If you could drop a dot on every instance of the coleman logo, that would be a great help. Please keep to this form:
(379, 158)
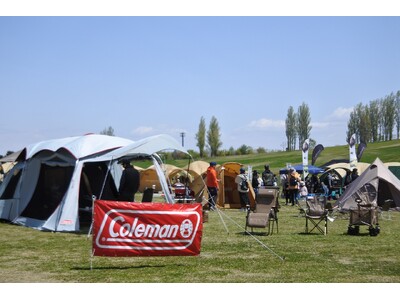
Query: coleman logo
(147, 229)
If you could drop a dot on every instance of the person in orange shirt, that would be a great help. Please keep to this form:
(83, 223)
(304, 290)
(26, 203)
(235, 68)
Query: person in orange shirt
(212, 185)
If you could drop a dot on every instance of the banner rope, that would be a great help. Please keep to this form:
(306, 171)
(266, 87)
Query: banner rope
(282, 258)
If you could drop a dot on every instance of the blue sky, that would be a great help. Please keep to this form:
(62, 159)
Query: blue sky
(66, 76)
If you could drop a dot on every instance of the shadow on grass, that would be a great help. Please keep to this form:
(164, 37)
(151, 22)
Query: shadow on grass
(256, 233)
(121, 267)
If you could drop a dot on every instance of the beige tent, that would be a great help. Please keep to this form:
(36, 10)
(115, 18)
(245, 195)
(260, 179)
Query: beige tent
(342, 167)
(197, 168)
(374, 186)
(228, 196)
(198, 171)
(149, 177)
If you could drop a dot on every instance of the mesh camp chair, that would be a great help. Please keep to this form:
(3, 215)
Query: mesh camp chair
(265, 214)
(317, 215)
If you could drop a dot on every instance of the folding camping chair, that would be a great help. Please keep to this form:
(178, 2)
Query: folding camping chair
(317, 215)
(266, 210)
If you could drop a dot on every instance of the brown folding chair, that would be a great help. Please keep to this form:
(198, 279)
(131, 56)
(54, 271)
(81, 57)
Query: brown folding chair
(265, 214)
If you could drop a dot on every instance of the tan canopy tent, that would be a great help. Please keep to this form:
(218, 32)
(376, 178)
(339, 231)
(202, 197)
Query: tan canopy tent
(149, 177)
(342, 167)
(198, 172)
(375, 185)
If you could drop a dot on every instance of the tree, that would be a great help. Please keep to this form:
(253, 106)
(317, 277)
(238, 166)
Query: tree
(108, 131)
(214, 137)
(244, 149)
(303, 120)
(291, 132)
(312, 143)
(201, 136)
(388, 116)
(365, 125)
(397, 103)
(352, 126)
(374, 120)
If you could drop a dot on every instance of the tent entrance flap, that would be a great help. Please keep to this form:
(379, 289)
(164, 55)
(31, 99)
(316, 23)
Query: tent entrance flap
(52, 185)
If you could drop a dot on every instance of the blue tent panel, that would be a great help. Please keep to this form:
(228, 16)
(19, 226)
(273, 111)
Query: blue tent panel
(299, 169)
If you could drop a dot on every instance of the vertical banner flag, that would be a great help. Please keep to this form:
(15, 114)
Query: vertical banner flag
(305, 158)
(146, 229)
(360, 150)
(353, 155)
(317, 150)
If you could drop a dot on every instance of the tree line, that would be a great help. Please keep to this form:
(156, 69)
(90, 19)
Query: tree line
(376, 121)
(373, 122)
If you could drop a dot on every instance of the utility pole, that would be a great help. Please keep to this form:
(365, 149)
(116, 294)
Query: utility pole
(183, 136)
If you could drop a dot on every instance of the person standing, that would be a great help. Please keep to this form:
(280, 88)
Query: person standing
(347, 179)
(256, 182)
(293, 188)
(243, 189)
(268, 177)
(212, 185)
(129, 183)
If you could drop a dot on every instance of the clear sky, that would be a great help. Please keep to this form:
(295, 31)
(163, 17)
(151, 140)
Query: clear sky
(141, 75)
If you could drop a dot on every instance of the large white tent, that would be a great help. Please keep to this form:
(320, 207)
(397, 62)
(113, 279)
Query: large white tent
(44, 190)
(47, 177)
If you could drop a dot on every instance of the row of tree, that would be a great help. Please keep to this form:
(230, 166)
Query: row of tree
(373, 122)
(376, 121)
(298, 126)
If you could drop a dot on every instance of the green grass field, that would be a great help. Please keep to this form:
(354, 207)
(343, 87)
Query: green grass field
(227, 256)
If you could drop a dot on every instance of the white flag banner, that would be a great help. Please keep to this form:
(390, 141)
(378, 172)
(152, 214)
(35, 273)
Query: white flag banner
(353, 154)
(305, 158)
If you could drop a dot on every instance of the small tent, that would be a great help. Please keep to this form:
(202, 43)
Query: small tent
(375, 185)
(229, 196)
(198, 171)
(149, 176)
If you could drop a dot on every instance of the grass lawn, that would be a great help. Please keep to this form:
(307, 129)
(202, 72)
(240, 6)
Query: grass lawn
(227, 255)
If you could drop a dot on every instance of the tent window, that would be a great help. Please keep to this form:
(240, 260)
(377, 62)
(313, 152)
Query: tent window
(51, 187)
(9, 191)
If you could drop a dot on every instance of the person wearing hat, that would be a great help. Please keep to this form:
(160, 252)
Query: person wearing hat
(212, 185)
(243, 189)
(129, 183)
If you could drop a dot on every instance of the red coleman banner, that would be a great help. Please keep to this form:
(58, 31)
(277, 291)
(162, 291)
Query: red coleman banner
(146, 229)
